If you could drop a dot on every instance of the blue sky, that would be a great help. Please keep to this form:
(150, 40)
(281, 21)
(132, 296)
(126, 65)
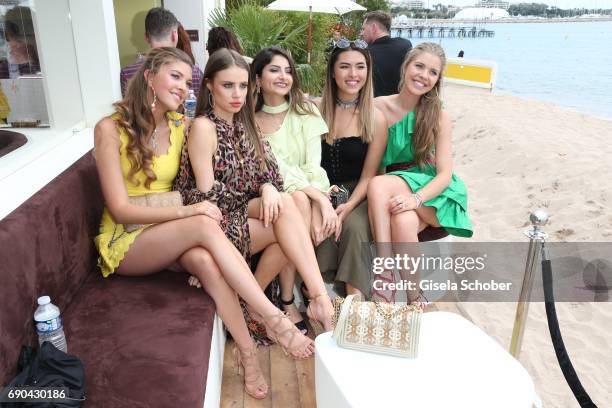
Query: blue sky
(564, 4)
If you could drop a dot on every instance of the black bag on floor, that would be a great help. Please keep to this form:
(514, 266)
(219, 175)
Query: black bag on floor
(49, 367)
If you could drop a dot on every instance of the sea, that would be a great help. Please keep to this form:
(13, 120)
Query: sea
(566, 63)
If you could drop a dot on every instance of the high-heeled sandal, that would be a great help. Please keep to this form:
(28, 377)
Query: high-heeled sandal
(300, 351)
(314, 322)
(253, 385)
(304, 292)
(420, 301)
(301, 325)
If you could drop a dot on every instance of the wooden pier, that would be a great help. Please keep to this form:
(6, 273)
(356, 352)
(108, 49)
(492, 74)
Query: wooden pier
(442, 32)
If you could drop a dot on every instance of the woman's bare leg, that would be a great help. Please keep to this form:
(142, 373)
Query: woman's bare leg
(404, 227)
(160, 245)
(290, 232)
(201, 264)
(289, 271)
(270, 264)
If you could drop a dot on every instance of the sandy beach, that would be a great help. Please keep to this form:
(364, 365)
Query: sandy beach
(516, 155)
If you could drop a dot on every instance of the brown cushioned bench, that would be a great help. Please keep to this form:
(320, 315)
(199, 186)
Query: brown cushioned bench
(144, 342)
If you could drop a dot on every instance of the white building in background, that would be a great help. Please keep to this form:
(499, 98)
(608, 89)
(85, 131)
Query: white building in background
(481, 13)
(504, 5)
(401, 20)
(415, 5)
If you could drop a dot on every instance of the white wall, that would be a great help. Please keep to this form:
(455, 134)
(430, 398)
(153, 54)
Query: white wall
(97, 56)
(58, 62)
(193, 14)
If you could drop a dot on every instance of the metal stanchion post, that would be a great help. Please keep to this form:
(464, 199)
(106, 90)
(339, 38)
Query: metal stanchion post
(536, 236)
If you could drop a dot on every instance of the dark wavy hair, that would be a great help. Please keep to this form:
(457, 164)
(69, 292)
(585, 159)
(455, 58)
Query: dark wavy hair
(298, 102)
(221, 37)
(220, 60)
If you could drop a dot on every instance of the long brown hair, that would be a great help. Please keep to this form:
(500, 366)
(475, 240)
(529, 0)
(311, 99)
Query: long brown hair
(135, 116)
(429, 106)
(297, 101)
(365, 106)
(220, 60)
(221, 37)
(184, 42)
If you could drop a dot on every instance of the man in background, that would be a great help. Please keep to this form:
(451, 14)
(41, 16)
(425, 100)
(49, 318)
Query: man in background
(161, 30)
(387, 53)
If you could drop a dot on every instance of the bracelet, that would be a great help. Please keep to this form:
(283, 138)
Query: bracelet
(418, 199)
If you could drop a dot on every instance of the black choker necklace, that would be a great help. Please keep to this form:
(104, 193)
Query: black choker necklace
(347, 104)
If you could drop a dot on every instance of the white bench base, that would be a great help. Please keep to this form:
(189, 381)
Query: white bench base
(458, 366)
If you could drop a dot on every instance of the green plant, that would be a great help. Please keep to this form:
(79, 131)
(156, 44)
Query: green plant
(257, 27)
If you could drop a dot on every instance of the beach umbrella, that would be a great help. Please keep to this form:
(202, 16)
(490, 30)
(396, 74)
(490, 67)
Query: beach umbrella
(315, 6)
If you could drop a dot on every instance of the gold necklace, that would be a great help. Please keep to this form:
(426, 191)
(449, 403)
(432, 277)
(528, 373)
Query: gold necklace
(153, 142)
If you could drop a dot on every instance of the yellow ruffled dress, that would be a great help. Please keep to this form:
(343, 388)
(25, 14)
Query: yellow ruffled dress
(113, 241)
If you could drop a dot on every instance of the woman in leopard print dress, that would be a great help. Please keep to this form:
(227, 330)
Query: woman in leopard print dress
(225, 161)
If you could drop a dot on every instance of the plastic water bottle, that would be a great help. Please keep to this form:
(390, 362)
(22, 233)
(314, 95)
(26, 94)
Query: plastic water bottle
(49, 324)
(190, 105)
(13, 68)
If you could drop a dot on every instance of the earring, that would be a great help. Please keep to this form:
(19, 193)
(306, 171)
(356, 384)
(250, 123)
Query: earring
(211, 100)
(154, 100)
(258, 89)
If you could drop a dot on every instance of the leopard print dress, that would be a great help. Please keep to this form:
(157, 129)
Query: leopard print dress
(237, 181)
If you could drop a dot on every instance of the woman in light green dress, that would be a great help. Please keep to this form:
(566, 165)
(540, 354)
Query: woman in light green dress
(293, 126)
(419, 188)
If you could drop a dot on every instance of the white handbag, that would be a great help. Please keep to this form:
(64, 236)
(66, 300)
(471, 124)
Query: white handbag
(383, 328)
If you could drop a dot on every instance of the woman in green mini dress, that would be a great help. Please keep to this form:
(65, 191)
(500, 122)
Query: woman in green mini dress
(419, 188)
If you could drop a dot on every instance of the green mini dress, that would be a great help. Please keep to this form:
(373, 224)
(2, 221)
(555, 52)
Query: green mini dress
(450, 204)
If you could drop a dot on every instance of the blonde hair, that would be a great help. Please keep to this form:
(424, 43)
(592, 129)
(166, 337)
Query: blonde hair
(365, 105)
(135, 115)
(429, 106)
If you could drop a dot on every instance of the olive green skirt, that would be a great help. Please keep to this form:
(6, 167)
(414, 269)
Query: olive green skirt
(348, 260)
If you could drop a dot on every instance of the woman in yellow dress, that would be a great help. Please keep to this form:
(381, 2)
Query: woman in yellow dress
(138, 151)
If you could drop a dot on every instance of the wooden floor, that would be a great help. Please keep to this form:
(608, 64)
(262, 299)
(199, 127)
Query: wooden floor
(291, 382)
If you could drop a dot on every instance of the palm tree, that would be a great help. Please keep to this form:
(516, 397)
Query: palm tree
(257, 28)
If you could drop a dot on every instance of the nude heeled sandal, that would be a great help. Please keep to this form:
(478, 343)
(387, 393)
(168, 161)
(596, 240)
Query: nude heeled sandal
(252, 386)
(298, 351)
(315, 323)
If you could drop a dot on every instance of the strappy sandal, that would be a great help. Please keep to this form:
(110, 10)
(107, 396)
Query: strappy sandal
(304, 292)
(300, 351)
(256, 385)
(314, 322)
(420, 301)
(301, 325)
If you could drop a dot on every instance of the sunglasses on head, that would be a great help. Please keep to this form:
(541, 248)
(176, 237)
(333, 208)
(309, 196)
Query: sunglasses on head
(344, 43)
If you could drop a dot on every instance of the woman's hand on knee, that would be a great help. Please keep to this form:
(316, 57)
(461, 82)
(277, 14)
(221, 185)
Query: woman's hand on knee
(330, 218)
(402, 202)
(271, 205)
(205, 208)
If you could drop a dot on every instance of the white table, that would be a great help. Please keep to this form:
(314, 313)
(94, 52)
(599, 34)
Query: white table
(458, 365)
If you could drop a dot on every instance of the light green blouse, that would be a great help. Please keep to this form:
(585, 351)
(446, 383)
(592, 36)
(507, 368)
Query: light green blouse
(297, 148)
